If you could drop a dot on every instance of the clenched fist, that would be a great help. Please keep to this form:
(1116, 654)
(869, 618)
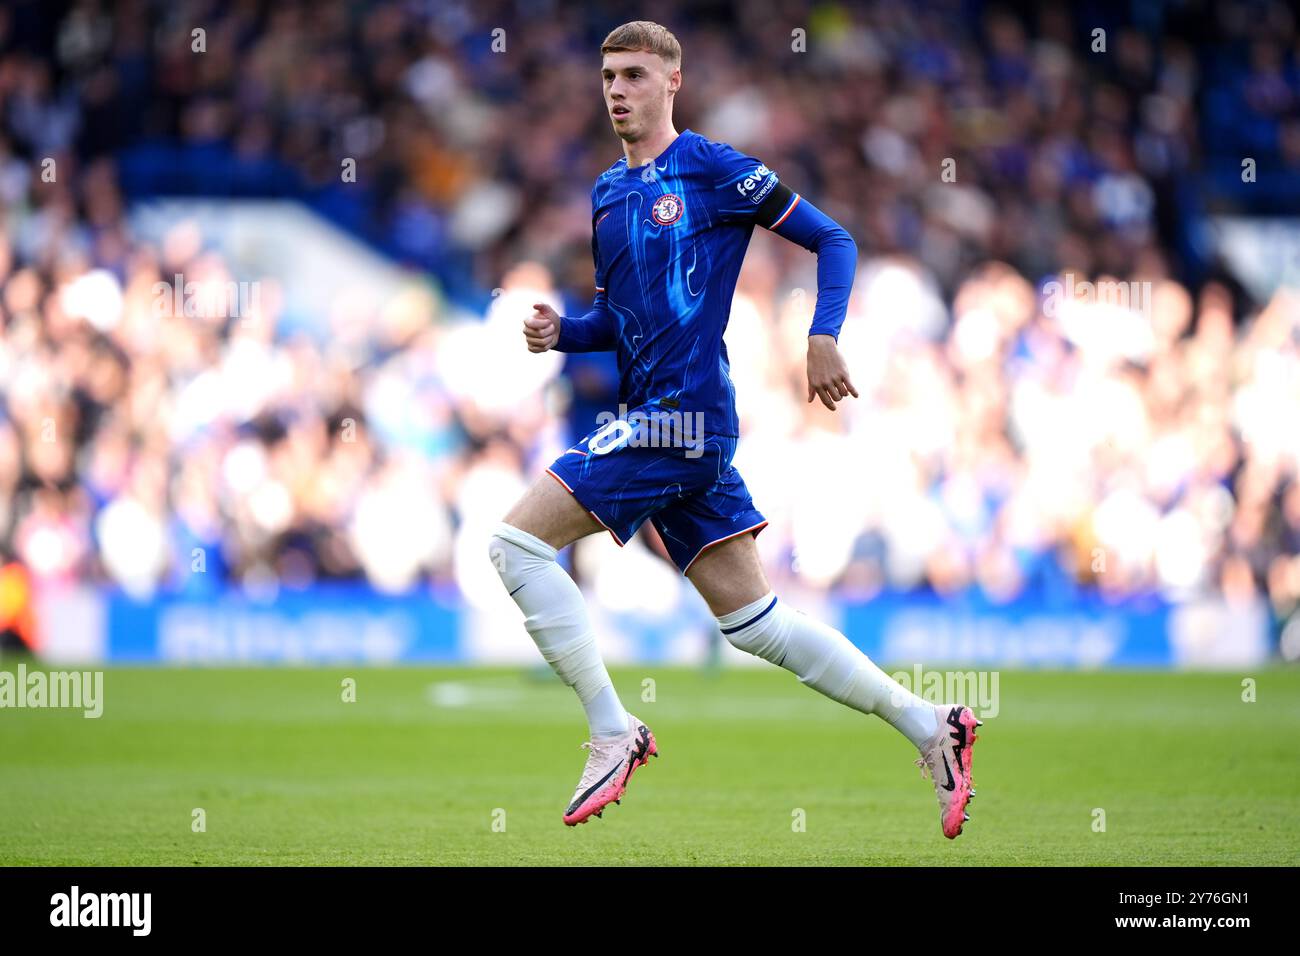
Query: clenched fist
(542, 328)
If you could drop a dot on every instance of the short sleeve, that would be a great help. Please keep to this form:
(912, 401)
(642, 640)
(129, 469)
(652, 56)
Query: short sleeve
(741, 184)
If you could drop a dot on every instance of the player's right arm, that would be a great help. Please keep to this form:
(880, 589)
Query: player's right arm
(594, 332)
(597, 331)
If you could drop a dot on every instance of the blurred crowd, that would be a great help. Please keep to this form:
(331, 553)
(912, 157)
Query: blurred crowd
(1009, 440)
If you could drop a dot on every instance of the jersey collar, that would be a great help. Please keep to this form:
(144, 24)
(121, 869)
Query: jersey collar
(664, 155)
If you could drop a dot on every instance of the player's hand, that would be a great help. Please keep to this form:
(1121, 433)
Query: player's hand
(828, 376)
(542, 328)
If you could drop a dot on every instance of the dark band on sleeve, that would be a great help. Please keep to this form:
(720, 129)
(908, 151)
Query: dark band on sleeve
(774, 206)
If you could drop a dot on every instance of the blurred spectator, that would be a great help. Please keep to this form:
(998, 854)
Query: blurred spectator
(1011, 437)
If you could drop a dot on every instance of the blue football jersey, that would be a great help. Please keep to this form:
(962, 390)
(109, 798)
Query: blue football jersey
(668, 241)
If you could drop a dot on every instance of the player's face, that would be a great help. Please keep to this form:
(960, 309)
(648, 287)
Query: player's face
(638, 91)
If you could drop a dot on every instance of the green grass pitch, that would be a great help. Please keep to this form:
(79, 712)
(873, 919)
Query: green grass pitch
(427, 764)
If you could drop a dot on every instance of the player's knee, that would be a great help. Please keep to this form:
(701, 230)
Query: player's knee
(760, 629)
(513, 551)
(765, 643)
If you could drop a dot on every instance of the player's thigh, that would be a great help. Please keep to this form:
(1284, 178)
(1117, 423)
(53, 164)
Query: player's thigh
(621, 477)
(549, 512)
(729, 575)
(711, 535)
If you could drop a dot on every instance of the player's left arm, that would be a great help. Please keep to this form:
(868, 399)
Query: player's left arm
(792, 217)
(747, 191)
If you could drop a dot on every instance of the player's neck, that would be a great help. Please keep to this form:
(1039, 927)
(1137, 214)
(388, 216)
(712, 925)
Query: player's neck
(648, 148)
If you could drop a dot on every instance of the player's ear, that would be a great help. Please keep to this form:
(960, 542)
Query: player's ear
(675, 80)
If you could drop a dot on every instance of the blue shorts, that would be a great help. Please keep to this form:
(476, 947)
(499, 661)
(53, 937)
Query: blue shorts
(692, 495)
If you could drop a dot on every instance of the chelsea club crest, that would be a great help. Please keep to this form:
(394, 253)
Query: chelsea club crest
(667, 209)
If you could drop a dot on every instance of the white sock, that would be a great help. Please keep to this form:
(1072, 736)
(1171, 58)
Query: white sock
(827, 661)
(556, 617)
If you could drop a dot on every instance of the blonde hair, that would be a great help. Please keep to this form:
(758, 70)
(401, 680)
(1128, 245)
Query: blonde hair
(644, 35)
